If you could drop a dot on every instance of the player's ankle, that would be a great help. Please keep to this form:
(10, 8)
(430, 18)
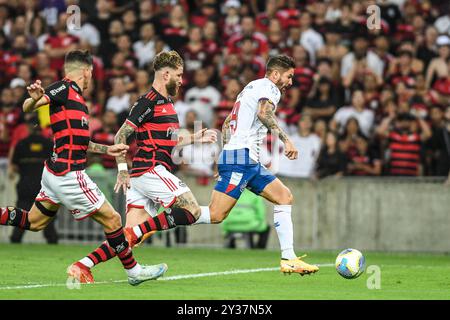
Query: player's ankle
(288, 254)
(135, 271)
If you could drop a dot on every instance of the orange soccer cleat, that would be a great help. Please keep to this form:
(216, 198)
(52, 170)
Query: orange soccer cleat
(297, 265)
(80, 272)
(133, 240)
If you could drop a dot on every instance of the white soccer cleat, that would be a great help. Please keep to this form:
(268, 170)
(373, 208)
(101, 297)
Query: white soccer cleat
(148, 273)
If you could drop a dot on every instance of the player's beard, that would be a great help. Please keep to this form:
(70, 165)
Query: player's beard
(281, 85)
(171, 88)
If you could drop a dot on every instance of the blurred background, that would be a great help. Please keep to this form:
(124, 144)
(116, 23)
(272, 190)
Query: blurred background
(369, 110)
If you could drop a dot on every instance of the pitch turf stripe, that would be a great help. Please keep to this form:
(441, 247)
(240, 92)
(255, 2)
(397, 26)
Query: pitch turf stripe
(172, 278)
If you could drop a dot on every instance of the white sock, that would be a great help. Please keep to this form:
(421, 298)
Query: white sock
(285, 230)
(205, 216)
(133, 272)
(137, 231)
(87, 262)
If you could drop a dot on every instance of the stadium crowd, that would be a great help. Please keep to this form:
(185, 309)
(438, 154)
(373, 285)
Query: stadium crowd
(364, 102)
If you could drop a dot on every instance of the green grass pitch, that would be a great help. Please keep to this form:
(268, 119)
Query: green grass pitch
(38, 272)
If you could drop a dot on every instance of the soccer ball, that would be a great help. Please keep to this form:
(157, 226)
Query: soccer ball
(350, 263)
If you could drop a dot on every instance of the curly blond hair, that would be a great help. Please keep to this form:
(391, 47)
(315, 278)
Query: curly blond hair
(170, 59)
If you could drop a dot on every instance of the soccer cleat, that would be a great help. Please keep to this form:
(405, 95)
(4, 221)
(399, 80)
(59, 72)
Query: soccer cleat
(130, 236)
(145, 237)
(133, 240)
(148, 273)
(297, 265)
(80, 272)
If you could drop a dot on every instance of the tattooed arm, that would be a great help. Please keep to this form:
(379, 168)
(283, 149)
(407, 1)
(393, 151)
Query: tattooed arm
(123, 177)
(267, 116)
(115, 150)
(225, 132)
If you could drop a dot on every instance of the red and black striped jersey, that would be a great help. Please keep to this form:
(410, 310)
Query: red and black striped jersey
(156, 123)
(404, 154)
(69, 117)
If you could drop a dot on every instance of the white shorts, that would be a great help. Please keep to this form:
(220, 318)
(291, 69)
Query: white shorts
(74, 190)
(154, 188)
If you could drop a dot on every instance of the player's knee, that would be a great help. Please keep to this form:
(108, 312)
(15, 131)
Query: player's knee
(195, 211)
(217, 215)
(115, 222)
(286, 198)
(37, 226)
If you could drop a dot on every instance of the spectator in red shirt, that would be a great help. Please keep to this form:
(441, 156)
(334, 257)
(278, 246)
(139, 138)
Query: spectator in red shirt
(404, 145)
(59, 43)
(276, 38)
(364, 162)
(175, 31)
(223, 109)
(10, 118)
(195, 56)
(303, 74)
(259, 40)
(105, 135)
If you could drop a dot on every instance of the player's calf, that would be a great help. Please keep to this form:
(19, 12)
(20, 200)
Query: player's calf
(185, 211)
(16, 217)
(34, 220)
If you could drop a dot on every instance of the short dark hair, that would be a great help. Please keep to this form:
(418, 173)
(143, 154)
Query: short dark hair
(280, 62)
(79, 56)
(170, 59)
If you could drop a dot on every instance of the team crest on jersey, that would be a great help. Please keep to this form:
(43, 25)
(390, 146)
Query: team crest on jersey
(160, 102)
(182, 184)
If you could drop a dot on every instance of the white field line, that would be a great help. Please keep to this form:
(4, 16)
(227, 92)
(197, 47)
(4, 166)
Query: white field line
(172, 278)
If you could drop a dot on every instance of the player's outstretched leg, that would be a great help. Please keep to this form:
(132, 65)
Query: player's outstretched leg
(277, 193)
(185, 211)
(104, 252)
(115, 237)
(36, 219)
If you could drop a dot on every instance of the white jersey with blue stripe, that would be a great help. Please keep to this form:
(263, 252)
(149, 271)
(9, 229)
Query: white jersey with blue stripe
(247, 131)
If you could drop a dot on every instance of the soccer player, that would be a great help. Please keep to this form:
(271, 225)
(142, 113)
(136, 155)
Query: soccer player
(64, 181)
(239, 163)
(154, 122)
(243, 132)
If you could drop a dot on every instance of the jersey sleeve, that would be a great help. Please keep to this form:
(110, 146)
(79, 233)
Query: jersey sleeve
(140, 112)
(57, 93)
(269, 92)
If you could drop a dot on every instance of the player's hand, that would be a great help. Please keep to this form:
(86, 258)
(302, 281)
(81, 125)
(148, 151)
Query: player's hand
(117, 150)
(123, 182)
(35, 90)
(290, 151)
(205, 136)
(216, 175)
